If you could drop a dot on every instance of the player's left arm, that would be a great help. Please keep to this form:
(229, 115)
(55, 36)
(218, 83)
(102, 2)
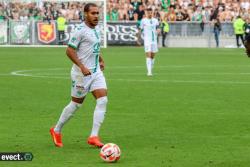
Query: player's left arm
(158, 30)
(101, 62)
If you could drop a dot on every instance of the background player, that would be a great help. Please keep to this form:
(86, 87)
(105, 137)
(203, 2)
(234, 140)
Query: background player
(149, 27)
(84, 51)
(247, 45)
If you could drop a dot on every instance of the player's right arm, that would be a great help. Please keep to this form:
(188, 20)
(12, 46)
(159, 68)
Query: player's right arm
(71, 53)
(73, 44)
(141, 26)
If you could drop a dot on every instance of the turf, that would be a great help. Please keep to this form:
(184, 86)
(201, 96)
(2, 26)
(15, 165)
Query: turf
(194, 111)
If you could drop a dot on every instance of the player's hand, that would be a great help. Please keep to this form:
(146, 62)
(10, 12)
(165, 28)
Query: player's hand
(102, 65)
(158, 31)
(85, 71)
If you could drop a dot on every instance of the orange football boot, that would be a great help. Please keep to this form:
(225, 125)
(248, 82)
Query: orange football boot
(57, 138)
(95, 141)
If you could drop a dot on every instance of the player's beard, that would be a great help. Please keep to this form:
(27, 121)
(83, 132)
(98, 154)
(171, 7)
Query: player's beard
(95, 22)
(92, 23)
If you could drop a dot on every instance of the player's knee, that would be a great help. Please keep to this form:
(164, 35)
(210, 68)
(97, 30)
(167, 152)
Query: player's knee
(102, 101)
(75, 105)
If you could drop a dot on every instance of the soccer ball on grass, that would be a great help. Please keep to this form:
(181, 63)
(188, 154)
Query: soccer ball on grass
(110, 152)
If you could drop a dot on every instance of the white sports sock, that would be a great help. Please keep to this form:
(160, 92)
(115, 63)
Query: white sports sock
(149, 65)
(99, 114)
(152, 63)
(67, 113)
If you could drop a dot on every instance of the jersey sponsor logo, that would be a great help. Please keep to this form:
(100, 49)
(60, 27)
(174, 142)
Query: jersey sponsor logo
(46, 32)
(96, 49)
(79, 90)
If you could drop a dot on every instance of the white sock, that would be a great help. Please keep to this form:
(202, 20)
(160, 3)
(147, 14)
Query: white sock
(149, 65)
(67, 113)
(99, 114)
(153, 62)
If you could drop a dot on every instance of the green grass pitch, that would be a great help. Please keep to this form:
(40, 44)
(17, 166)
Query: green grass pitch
(194, 111)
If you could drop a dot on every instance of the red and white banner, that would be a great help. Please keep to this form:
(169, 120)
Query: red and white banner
(46, 32)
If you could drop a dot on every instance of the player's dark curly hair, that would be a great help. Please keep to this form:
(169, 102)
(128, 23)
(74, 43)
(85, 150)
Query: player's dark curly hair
(88, 5)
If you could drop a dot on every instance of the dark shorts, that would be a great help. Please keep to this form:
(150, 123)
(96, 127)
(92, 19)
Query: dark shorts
(248, 37)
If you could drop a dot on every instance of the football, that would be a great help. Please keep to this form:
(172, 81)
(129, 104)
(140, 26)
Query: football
(110, 152)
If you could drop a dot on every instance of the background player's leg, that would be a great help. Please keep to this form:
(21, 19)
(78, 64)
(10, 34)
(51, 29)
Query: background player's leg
(149, 63)
(68, 112)
(153, 60)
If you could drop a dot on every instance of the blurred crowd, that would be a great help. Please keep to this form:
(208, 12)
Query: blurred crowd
(42, 10)
(133, 10)
(179, 10)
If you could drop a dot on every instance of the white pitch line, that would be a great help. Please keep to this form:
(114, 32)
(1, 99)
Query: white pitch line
(179, 66)
(141, 74)
(170, 73)
(182, 81)
(22, 73)
(144, 80)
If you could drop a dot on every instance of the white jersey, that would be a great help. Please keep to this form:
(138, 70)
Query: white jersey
(86, 41)
(148, 27)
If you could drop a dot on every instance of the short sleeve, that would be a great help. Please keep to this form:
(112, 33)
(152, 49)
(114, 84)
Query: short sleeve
(75, 39)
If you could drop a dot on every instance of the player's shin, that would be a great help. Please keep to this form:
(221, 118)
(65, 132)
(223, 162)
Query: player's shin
(99, 114)
(67, 113)
(149, 65)
(152, 63)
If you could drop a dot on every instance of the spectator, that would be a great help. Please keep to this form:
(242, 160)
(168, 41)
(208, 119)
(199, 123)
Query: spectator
(206, 14)
(1, 12)
(171, 14)
(245, 4)
(164, 30)
(122, 13)
(157, 15)
(179, 14)
(139, 16)
(178, 10)
(140, 13)
(114, 14)
(61, 22)
(108, 14)
(239, 30)
(217, 29)
(185, 15)
(136, 4)
(131, 13)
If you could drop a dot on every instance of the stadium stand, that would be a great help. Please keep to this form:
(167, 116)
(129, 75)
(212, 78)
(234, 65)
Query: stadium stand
(119, 10)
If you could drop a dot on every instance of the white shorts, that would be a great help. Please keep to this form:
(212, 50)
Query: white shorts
(151, 48)
(81, 84)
